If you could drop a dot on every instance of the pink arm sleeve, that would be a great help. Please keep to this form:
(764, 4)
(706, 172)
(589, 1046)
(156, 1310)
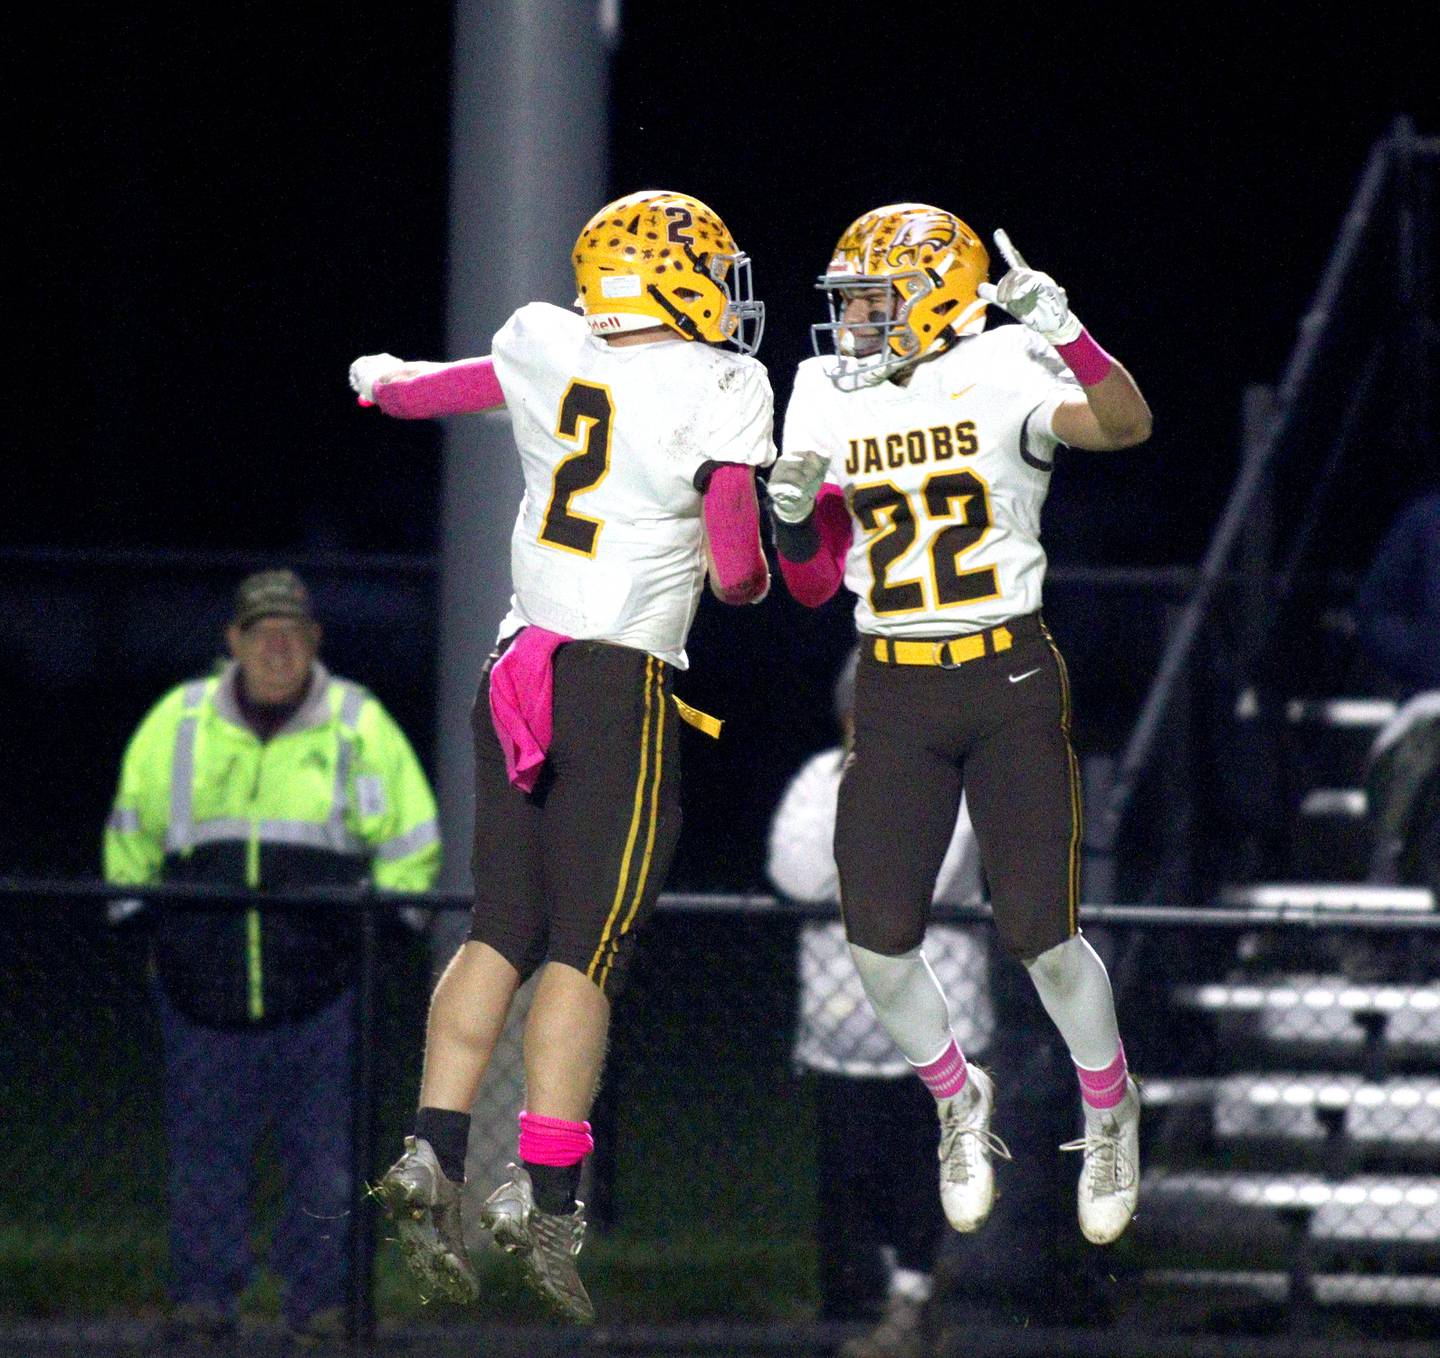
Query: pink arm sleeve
(732, 524)
(814, 581)
(462, 388)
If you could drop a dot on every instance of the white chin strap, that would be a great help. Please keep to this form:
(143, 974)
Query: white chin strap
(972, 320)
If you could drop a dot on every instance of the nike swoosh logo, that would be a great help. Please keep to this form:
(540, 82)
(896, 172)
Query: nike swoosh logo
(1016, 678)
(956, 395)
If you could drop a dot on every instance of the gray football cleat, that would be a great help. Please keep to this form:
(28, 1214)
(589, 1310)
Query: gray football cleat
(546, 1243)
(967, 1178)
(1110, 1175)
(425, 1206)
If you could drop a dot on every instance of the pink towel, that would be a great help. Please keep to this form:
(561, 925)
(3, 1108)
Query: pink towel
(521, 689)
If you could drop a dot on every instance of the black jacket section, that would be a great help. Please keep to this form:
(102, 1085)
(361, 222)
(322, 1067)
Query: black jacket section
(306, 956)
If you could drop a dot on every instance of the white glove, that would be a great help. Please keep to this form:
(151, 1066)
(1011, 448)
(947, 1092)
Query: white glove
(1033, 298)
(367, 371)
(795, 481)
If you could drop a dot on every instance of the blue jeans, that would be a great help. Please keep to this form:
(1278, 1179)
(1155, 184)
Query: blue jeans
(223, 1087)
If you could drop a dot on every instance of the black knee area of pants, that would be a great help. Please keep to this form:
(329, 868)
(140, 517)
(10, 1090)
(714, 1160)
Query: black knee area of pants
(525, 955)
(876, 931)
(1027, 946)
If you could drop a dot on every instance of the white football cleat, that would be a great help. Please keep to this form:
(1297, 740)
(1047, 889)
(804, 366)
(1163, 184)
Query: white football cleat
(1110, 1176)
(967, 1180)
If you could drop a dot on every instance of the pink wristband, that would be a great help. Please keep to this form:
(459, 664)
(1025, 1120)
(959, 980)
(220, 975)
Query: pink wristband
(1087, 360)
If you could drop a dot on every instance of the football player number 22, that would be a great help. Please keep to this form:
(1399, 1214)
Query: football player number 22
(586, 415)
(890, 514)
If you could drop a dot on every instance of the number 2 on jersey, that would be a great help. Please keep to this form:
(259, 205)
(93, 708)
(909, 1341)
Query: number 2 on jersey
(887, 512)
(586, 415)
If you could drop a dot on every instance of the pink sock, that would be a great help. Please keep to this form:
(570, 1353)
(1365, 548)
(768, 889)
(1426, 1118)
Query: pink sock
(944, 1077)
(553, 1141)
(1104, 1088)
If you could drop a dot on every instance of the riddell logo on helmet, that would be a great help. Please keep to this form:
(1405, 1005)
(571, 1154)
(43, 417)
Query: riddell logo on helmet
(598, 323)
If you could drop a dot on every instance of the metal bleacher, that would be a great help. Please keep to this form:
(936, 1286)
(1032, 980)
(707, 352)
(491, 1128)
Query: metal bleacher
(1291, 1153)
(1305, 1171)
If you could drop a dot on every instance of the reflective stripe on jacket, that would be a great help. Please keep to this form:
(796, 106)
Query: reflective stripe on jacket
(336, 795)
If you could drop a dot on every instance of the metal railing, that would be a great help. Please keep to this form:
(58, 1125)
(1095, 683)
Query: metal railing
(1294, 921)
(1391, 162)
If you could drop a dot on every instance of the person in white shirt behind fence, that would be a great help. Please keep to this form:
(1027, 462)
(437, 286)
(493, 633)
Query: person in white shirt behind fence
(880, 1222)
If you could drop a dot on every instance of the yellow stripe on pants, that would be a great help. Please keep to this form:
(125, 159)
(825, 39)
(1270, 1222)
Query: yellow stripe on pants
(1073, 769)
(636, 813)
(644, 874)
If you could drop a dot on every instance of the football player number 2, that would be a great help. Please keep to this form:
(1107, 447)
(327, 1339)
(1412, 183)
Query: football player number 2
(890, 514)
(586, 415)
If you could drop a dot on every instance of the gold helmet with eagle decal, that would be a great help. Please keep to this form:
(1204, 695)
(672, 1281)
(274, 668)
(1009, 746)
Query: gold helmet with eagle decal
(660, 258)
(920, 267)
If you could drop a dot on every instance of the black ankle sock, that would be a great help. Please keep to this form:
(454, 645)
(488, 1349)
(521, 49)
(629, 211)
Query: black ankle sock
(555, 1186)
(447, 1132)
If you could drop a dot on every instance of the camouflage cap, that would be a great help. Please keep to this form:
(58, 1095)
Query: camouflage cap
(271, 594)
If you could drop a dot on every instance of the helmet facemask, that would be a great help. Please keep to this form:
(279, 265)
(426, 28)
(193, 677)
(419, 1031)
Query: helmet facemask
(743, 320)
(889, 343)
(718, 282)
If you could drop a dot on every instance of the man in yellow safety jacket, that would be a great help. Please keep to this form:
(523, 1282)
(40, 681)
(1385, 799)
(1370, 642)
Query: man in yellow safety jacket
(272, 774)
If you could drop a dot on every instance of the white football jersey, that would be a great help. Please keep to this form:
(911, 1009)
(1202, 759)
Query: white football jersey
(944, 478)
(609, 543)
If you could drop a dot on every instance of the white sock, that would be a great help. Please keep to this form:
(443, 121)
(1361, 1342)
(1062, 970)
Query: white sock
(1074, 987)
(908, 1001)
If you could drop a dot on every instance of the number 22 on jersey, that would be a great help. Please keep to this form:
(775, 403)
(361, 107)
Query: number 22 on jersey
(888, 515)
(586, 415)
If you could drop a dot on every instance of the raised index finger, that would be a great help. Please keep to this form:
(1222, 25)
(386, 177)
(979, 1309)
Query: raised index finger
(1008, 252)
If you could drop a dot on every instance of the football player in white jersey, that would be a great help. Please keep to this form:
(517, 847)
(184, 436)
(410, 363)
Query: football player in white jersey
(639, 437)
(918, 448)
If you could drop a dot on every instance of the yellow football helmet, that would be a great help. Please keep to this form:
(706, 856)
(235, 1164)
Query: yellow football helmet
(922, 266)
(659, 258)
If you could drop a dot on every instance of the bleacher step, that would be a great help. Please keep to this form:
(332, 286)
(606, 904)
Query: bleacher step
(1357, 897)
(1329, 1289)
(1402, 1111)
(1366, 1209)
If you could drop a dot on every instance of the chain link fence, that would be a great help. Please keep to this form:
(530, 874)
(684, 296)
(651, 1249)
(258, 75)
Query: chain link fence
(1291, 1178)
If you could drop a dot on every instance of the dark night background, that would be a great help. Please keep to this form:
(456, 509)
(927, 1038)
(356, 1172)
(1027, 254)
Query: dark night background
(218, 208)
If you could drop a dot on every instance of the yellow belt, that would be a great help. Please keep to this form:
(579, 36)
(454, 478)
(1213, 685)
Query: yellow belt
(946, 654)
